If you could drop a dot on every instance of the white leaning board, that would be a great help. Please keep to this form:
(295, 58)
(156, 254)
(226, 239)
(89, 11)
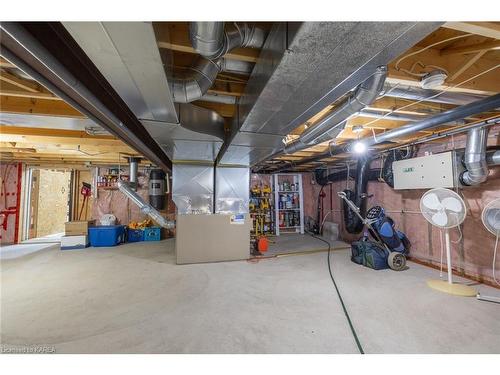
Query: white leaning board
(74, 242)
(425, 172)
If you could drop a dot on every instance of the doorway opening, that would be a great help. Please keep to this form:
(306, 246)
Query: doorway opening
(47, 204)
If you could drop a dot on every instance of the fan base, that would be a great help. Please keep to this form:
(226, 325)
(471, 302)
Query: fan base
(455, 289)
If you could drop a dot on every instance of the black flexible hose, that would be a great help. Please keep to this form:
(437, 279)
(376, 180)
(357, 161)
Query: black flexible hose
(351, 326)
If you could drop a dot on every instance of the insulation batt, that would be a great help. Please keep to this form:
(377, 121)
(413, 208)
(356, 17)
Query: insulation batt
(473, 254)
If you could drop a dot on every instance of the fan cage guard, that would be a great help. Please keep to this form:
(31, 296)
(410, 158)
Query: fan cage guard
(454, 218)
(492, 212)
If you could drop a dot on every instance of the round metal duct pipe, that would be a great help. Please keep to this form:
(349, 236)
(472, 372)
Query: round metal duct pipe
(211, 40)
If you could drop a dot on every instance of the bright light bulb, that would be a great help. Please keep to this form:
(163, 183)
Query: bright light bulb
(359, 147)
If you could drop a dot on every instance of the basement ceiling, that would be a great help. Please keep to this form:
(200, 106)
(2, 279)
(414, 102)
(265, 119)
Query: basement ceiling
(471, 57)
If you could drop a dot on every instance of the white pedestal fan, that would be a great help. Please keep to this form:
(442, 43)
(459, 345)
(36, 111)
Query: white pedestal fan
(445, 209)
(491, 220)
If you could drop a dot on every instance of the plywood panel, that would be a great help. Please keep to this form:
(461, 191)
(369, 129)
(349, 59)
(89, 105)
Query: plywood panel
(52, 202)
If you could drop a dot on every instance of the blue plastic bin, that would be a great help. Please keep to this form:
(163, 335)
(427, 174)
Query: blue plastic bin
(106, 235)
(152, 234)
(135, 235)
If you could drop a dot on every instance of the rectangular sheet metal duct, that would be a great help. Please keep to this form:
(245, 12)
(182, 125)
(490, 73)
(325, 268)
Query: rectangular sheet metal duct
(232, 190)
(305, 67)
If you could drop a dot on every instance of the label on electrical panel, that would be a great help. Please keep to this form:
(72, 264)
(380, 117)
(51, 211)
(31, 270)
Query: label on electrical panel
(237, 219)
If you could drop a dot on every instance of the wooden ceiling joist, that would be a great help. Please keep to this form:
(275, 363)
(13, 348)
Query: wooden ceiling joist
(24, 84)
(487, 29)
(486, 46)
(17, 104)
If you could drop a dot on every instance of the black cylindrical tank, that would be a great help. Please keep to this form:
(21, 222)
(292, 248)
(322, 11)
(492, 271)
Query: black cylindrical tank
(157, 189)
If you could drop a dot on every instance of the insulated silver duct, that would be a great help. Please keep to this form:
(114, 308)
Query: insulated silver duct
(210, 39)
(434, 96)
(493, 157)
(146, 208)
(475, 157)
(332, 124)
(372, 113)
(456, 114)
(216, 98)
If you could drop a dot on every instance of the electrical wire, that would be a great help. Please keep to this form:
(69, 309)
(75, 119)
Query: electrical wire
(349, 321)
(396, 66)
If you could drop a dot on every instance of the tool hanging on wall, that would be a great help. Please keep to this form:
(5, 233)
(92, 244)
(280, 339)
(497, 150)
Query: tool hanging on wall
(86, 192)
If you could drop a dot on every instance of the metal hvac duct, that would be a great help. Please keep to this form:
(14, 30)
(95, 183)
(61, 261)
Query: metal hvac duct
(193, 87)
(475, 157)
(353, 224)
(146, 208)
(210, 39)
(493, 157)
(204, 72)
(49, 54)
(133, 163)
(373, 113)
(333, 123)
(434, 96)
(459, 113)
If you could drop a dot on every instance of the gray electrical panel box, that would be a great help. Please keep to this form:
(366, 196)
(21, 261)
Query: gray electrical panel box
(427, 172)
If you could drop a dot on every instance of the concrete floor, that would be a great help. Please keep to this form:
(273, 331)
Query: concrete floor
(297, 243)
(134, 299)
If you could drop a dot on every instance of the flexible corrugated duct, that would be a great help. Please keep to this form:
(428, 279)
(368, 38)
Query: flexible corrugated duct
(193, 87)
(211, 40)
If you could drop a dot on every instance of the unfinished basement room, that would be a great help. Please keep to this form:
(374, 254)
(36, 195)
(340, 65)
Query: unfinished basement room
(250, 187)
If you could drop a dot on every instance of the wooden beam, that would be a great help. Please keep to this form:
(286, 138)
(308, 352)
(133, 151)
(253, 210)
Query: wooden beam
(485, 84)
(50, 107)
(223, 92)
(488, 29)
(34, 157)
(43, 135)
(27, 94)
(80, 147)
(175, 36)
(467, 65)
(486, 46)
(5, 64)
(19, 82)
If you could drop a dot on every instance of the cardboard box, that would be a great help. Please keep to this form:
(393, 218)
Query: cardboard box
(77, 228)
(74, 242)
